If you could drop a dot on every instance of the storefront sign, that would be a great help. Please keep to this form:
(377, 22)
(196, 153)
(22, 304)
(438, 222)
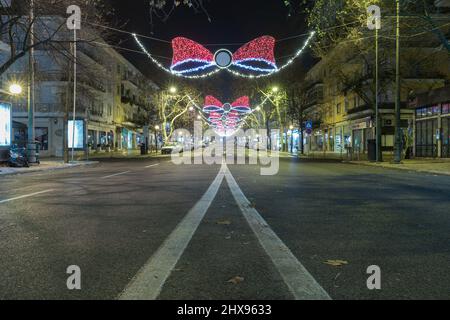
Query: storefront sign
(5, 124)
(361, 125)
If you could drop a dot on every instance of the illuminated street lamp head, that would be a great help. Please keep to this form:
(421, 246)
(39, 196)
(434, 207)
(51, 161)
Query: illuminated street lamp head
(156, 127)
(15, 89)
(199, 117)
(191, 108)
(291, 127)
(173, 90)
(275, 89)
(258, 108)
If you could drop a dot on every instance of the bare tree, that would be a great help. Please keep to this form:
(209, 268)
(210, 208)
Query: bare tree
(49, 25)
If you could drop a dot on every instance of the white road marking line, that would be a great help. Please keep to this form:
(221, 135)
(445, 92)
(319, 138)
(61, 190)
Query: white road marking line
(17, 189)
(152, 165)
(26, 196)
(300, 282)
(115, 175)
(148, 282)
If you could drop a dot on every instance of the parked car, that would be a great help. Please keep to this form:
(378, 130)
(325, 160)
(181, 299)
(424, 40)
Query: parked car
(170, 148)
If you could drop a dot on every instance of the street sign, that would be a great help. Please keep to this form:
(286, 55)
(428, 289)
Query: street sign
(309, 127)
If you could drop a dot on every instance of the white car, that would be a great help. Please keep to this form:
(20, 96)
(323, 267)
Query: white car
(170, 148)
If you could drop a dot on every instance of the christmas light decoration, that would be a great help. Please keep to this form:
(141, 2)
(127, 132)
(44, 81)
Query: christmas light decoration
(226, 126)
(255, 59)
(190, 57)
(213, 105)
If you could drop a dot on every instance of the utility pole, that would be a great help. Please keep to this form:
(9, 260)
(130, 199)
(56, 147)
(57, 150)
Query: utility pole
(379, 155)
(398, 130)
(66, 112)
(74, 91)
(74, 23)
(374, 23)
(31, 136)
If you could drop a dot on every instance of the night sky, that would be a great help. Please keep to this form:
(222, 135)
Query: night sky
(233, 21)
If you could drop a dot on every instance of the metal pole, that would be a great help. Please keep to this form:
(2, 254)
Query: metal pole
(74, 90)
(31, 105)
(379, 152)
(398, 131)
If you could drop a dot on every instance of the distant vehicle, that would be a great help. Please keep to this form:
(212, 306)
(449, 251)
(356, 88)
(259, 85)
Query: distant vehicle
(170, 148)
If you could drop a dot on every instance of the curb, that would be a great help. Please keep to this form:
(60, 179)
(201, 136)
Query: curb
(37, 170)
(399, 168)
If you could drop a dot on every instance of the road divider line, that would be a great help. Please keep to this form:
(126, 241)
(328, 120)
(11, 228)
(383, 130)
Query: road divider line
(148, 282)
(26, 196)
(152, 165)
(115, 175)
(299, 281)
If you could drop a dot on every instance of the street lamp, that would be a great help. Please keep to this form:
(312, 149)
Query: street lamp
(275, 89)
(15, 89)
(173, 90)
(191, 108)
(398, 129)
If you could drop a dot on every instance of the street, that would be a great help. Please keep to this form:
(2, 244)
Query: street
(149, 229)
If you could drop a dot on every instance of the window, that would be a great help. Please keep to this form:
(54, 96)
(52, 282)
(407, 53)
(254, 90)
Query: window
(338, 108)
(42, 137)
(446, 108)
(436, 110)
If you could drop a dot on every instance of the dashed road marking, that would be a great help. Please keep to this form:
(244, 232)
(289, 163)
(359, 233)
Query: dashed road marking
(152, 165)
(26, 196)
(115, 175)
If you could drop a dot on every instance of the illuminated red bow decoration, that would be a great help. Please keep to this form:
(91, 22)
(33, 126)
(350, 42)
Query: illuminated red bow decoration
(240, 105)
(224, 120)
(190, 57)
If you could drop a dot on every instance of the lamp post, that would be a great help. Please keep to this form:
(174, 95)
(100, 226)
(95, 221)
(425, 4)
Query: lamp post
(398, 130)
(374, 23)
(31, 143)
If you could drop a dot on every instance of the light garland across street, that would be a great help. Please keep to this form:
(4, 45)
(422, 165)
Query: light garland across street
(223, 126)
(255, 58)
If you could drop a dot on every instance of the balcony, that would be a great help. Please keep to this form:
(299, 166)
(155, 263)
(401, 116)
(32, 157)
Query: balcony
(315, 95)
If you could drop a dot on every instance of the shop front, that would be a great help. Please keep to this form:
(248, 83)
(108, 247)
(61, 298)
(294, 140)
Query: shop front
(362, 132)
(432, 131)
(446, 135)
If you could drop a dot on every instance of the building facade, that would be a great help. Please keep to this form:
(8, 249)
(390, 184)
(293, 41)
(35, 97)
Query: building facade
(112, 105)
(340, 95)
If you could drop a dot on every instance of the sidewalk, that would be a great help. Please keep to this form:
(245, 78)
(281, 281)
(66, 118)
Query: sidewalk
(44, 166)
(433, 166)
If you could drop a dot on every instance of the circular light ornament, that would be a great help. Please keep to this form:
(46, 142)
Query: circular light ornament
(223, 58)
(227, 107)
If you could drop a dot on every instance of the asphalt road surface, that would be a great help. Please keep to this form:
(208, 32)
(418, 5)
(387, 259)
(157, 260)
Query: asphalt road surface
(149, 229)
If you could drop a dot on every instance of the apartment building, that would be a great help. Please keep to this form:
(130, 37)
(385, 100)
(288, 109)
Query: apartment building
(340, 92)
(112, 104)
